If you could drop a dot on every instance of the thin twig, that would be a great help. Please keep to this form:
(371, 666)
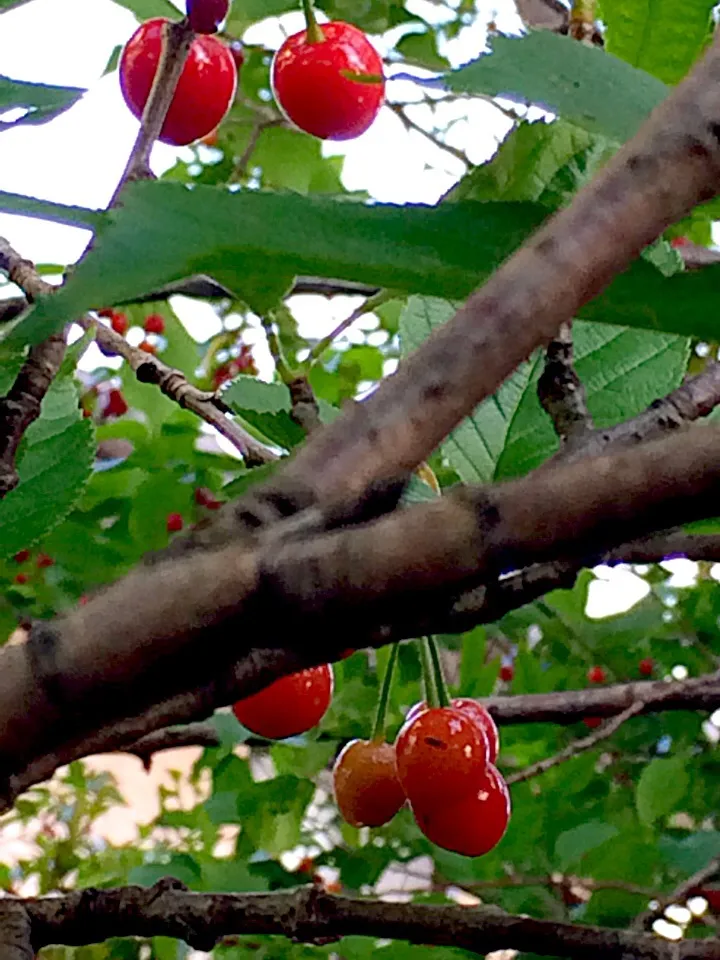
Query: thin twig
(372, 303)
(679, 895)
(174, 384)
(240, 168)
(305, 410)
(177, 39)
(577, 746)
(22, 404)
(399, 110)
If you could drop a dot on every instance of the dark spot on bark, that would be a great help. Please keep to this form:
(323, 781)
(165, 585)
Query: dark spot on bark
(546, 247)
(487, 513)
(147, 373)
(433, 391)
(714, 129)
(696, 148)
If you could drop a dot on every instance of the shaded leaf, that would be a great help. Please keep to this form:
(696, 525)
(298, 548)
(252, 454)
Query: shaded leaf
(41, 101)
(661, 787)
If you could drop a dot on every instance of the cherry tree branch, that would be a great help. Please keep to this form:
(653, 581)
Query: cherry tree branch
(311, 915)
(22, 403)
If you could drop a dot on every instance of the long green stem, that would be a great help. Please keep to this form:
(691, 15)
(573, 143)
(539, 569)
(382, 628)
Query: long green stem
(313, 33)
(442, 690)
(428, 670)
(380, 716)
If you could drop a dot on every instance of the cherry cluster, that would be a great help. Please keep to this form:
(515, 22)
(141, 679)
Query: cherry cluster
(327, 80)
(442, 762)
(154, 325)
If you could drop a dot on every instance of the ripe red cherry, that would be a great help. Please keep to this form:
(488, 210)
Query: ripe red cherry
(154, 324)
(204, 92)
(678, 242)
(596, 675)
(205, 16)
(367, 789)
(43, 560)
(147, 347)
(592, 722)
(472, 825)
(22, 556)
(326, 88)
(646, 666)
(106, 312)
(440, 754)
(21, 578)
(206, 498)
(480, 716)
(507, 672)
(119, 322)
(174, 522)
(289, 706)
(476, 712)
(116, 405)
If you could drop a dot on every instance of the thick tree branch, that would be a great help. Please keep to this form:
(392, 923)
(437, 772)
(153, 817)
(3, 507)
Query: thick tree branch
(15, 931)
(22, 404)
(110, 659)
(310, 915)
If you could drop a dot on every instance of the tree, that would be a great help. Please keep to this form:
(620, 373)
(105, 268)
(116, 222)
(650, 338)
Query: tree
(540, 427)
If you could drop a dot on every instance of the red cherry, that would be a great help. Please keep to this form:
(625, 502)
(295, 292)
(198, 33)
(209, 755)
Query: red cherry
(441, 754)
(472, 825)
(507, 672)
(367, 789)
(205, 16)
(290, 705)
(106, 312)
(147, 347)
(646, 666)
(592, 722)
(476, 712)
(83, 600)
(678, 242)
(120, 324)
(326, 88)
(204, 92)
(174, 522)
(206, 498)
(43, 560)
(154, 324)
(22, 556)
(480, 716)
(346, 653)
(21, 578)
(596, 675)
(116, 405)
(306, 865)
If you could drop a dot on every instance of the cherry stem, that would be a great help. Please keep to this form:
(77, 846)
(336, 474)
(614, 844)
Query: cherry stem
(380, 717)
(313, 33)
(429, 678)
(442, 690)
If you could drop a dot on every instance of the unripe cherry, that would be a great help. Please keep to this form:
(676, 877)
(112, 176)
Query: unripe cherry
(367, 789)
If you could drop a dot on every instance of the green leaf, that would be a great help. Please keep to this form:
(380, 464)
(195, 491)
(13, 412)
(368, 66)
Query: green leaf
(42, 101)
(248, 242)
(691, 853)
(47, 210)
(54, 464)
(271, 812)
(583, 84)
(266, 407)
(509, 433)
(658, 36)
(573, 844)
(247, 12)
(662, 785)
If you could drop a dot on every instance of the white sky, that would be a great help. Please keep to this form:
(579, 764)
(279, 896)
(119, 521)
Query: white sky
(79, 157)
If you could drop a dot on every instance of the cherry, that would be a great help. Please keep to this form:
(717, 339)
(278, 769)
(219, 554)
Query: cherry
(120, 323)
(290, 705)
(471, 825)
(592, 722)
(440, 753)
(596, 675)
(83, 600)
(678, 242)
(306, 865)
(22, 556)
(332, 88)
(211, 139)
(116, 405)
(476, 712)
(507, 672)
(480, 716)
(43, 560)
(367, 789)
(646, 666)
(174, 522)
(155, 324)
(206, 498)
(21, 578)
(147, 347)
(205, 16)
(106, 312)
(205, 90)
